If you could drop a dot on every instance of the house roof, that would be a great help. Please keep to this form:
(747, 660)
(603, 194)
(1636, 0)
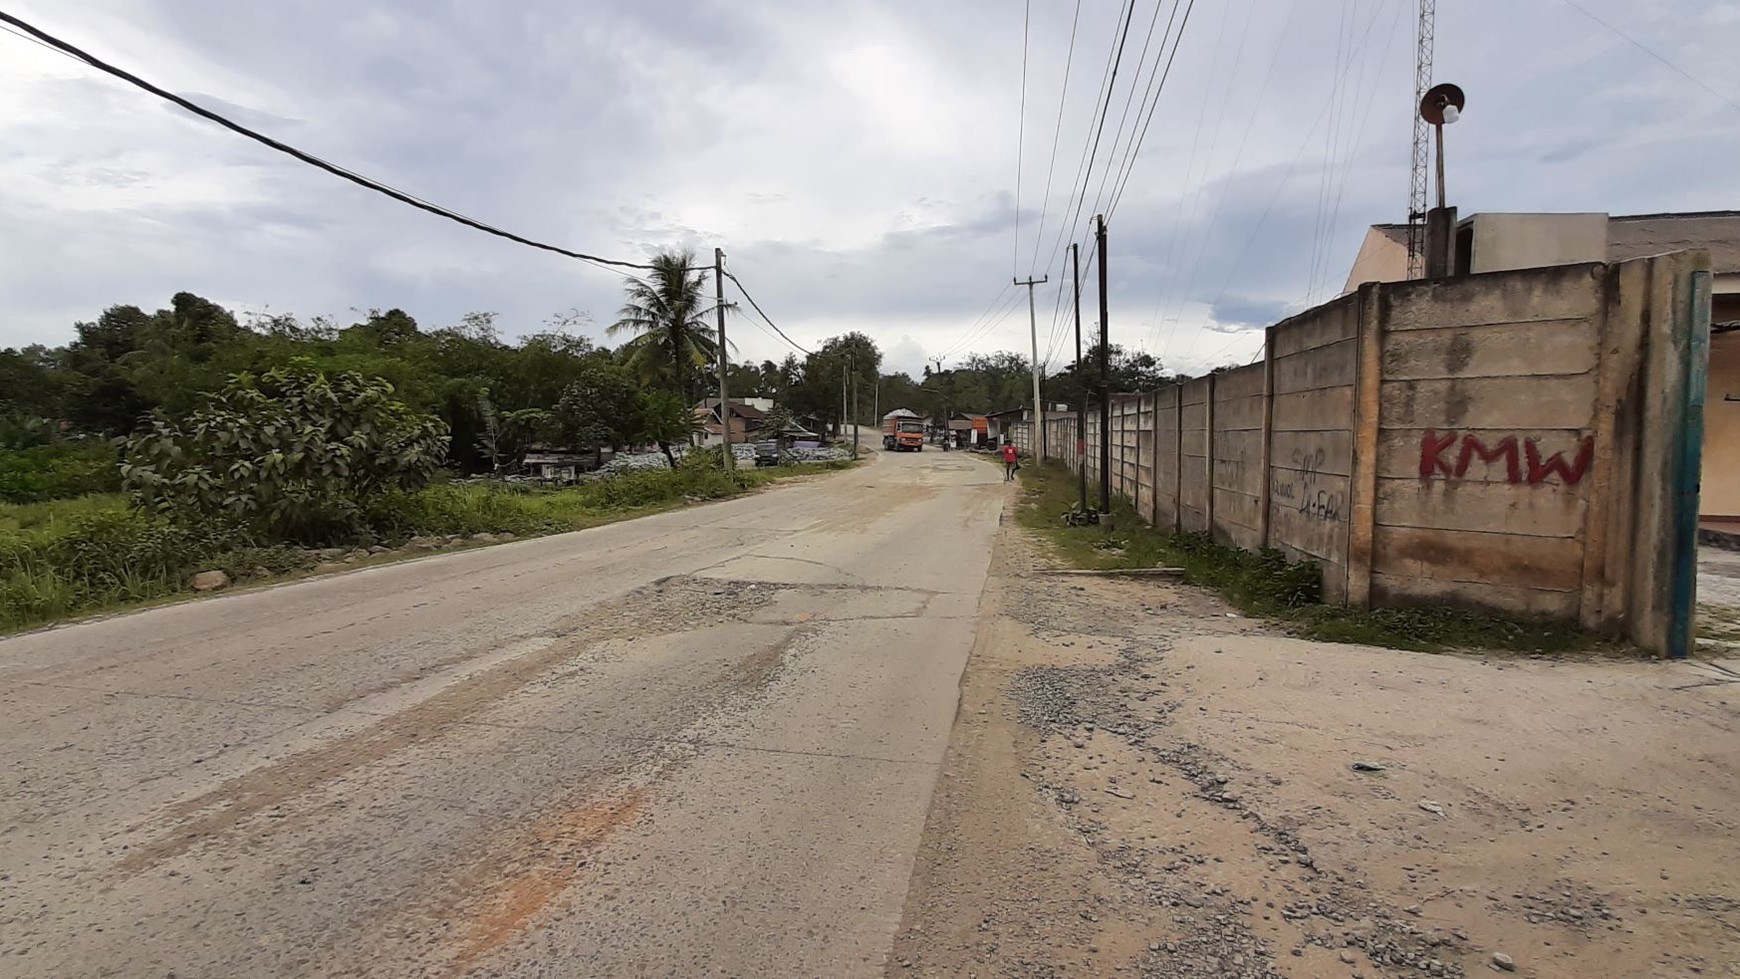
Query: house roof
(738, 408)
(1006, 412)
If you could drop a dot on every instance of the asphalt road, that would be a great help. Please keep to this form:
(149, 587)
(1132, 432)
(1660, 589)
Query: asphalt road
(701, 743)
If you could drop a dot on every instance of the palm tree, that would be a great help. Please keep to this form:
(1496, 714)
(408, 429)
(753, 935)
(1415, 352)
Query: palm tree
(667, 312)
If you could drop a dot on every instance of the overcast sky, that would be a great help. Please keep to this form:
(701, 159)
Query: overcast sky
(856, 160)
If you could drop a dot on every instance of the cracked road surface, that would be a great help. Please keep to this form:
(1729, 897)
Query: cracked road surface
(700, 743)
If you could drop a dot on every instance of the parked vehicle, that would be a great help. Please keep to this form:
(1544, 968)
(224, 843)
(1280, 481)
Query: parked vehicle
(903, 434)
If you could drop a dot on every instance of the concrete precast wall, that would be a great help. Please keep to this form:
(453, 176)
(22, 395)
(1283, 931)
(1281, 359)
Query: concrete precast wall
(1240, 466)
(1503, 441)
(1486, 439)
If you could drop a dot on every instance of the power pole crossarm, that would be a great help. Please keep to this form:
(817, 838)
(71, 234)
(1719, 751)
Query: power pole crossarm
(1033, 330)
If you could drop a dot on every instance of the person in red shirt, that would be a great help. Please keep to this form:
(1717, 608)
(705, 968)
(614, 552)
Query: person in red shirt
(1010, 462)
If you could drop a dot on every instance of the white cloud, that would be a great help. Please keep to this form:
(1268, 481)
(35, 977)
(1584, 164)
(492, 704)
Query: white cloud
(856, 160)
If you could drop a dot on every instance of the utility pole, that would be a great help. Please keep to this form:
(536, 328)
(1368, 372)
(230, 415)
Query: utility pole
(724, 397)
(1080, 405)
(845, 372)
(1033, 330)
(1105, 380)
(854, 362)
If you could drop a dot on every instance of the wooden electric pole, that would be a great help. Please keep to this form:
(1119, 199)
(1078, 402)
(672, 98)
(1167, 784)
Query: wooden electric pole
(724, 397)
(1038, 405)
(1105, 378)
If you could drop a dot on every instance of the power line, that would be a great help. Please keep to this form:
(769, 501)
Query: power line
(985, 329)
(1364, 119)
(1105, 111)
(1045, 202)
(1177, 236)
(1573, 4)
(757, 307)
(1129, 164)
(1083, 169)
(45, 46)
(1287, 175)
(308, 158)
(977, 320)
(1021, 136)
(1130, 98)
(1238, 155)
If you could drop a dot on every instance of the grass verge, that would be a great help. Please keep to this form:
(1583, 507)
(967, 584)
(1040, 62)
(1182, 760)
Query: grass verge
(93, 554)
(1264, 583)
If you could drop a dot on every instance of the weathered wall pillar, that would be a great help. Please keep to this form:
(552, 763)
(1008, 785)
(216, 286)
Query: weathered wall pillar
(1367, 425)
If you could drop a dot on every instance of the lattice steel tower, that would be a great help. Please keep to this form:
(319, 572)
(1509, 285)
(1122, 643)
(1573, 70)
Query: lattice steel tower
(1422, 137)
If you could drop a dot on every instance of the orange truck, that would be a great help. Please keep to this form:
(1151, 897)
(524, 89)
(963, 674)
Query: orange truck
(902, 434)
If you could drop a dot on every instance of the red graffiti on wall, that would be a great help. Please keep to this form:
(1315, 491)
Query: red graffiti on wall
(1434, 445)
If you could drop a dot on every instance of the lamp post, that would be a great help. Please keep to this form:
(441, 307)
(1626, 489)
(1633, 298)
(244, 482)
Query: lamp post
(1441, 106)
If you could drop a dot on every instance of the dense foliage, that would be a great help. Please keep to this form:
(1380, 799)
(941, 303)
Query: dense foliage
(129, 370)
(293, 456)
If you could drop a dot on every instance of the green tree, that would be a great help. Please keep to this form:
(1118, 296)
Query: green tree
(665, 418)
(667, 314)
(293, 455)
(601, 407)
(850, 357)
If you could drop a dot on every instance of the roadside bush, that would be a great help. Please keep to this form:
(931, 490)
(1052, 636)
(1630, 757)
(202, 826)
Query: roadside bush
(129, 556)
(58, 470)
(293, 456)
(693, 479)
(460, 510)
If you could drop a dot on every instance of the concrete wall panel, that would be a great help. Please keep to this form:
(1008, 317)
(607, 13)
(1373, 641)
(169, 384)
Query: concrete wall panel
(1551, 563)
(1546, 510)
(1321, 367)
(1550, 347)
(1333, 321)
(1402, 590)
(1304, 507)
(1328, 409)
(1325, 452)
(1532, 296)
(1490, 402)
(1404, 452)
(1245, 382)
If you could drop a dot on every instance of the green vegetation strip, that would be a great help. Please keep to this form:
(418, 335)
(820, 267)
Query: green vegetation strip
(68, 558)
(1264, 583)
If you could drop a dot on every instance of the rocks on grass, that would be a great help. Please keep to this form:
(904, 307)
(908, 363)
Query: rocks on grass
(210, 581)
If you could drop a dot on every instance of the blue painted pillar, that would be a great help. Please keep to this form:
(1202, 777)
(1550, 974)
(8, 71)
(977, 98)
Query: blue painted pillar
(1688, 469)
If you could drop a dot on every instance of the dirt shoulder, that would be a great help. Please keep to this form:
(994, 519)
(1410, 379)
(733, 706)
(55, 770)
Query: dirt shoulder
(1141, 782)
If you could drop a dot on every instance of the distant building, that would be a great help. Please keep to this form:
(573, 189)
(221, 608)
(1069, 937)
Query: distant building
(1501, 242)
(749, 422)
(748, 418)
(561, 464)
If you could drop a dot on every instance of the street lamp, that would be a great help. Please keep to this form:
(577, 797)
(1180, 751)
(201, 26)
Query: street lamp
(1442, 105)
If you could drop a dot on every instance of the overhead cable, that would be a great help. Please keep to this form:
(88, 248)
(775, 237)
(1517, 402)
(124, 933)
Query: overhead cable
(757, 306)
(1062, 96)
(308, 158)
